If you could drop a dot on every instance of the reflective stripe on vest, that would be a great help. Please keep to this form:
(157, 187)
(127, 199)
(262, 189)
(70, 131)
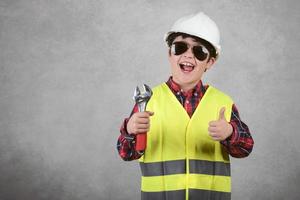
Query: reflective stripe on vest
(180, 154)
(179, 167)
(180, 194)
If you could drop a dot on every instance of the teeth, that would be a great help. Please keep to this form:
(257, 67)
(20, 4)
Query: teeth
(187, 64)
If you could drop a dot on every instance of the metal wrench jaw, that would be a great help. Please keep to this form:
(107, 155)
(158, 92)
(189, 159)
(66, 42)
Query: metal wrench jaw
(141, 99)
(137, 93)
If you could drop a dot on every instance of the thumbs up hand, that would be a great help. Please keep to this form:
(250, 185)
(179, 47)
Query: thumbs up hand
(220, 129)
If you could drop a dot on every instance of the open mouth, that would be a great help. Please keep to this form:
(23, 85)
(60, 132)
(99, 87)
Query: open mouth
(186, 66)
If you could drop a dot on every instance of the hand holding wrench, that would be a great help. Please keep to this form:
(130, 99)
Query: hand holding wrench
(141, 99)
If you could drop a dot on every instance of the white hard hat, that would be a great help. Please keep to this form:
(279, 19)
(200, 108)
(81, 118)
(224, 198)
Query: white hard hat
(199, 25)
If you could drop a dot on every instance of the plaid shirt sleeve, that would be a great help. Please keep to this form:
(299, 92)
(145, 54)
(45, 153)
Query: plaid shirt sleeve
(240, 143)
(126, 142)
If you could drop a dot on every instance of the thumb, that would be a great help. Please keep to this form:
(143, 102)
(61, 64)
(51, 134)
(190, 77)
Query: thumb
(222, 113)
(150, 113)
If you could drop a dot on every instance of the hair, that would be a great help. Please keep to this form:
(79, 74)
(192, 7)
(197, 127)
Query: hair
(211, 49)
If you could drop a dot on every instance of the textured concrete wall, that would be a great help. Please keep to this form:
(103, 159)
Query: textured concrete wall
(67, 74)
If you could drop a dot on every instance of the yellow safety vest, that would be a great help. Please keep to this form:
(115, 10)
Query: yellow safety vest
(181, 160)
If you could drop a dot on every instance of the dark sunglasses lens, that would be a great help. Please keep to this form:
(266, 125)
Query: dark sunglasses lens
(179, 48)
(200, 52)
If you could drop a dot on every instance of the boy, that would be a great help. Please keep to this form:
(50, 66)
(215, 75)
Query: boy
(194, 127)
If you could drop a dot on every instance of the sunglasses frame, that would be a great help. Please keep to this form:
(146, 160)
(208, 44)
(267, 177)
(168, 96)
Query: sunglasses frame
(195, 51)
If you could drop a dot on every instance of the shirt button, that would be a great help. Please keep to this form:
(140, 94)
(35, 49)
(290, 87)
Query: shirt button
(178, 93)
(187, 102)
(195, 94)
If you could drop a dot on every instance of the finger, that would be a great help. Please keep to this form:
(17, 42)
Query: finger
(142, 114)
(142, 120)
(139, 131)
(212, 129)
(213, 123)
(213, 134)
(142, 126)
(222, 113)
(143, 130)
(150, 113)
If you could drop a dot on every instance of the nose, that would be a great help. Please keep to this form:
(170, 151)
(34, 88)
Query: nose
(189, 53)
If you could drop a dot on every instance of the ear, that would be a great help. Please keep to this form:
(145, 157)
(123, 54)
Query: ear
(210, 63)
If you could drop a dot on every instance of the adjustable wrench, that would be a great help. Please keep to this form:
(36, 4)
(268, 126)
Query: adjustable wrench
(141, 99)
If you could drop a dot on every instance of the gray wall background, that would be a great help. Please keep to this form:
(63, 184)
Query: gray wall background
(67, 74)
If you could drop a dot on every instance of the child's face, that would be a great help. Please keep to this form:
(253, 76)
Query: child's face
(186, 69)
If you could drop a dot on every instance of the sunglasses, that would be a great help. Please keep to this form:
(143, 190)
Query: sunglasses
(200, 52)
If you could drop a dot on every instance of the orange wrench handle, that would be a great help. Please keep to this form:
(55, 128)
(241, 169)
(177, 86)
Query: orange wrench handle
(141, 142)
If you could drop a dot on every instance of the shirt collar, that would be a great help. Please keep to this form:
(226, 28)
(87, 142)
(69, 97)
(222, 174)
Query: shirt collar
(175, 87)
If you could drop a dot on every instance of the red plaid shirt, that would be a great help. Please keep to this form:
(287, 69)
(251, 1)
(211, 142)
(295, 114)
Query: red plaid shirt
(238, 145)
